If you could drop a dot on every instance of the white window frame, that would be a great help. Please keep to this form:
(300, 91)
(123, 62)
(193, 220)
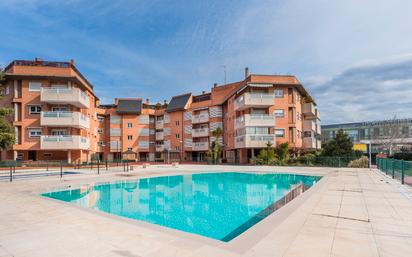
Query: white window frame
(7, 90)
(277, 115)
(130, 137)
(280, 135)
(36, 111)
(129, 125)
(37, 84)
(276, 91)
(100, 130)
(37, 132)
(100, 118)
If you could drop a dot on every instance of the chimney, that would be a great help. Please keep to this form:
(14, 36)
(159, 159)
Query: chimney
(203, 92)
(164, 101)
(246, 72)
(215, 85)
(147, 100)
(71, 61)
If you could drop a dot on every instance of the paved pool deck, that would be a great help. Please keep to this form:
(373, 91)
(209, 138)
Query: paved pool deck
(350, 212)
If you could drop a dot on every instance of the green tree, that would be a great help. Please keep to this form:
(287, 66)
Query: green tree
(267, 156)
(215, 150)
(282, 151)
(340, 145)
(6, 129)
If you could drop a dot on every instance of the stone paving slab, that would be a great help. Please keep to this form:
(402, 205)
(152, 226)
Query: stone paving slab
(350, 212)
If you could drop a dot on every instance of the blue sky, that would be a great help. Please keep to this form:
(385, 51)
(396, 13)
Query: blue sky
(354, 56)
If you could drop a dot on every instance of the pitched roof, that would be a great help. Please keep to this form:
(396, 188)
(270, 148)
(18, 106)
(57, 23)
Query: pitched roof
(178, 102)
(129, 106)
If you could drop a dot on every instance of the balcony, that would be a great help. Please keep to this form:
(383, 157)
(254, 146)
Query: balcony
(200, 118)
(310, 111)
(64, 119)
(248, 100)
(64, 143)
(73, 96)
(264, 120)
(200, 146)
(254, 141)
(159, 124)
(309, 125)
(311, 143)
(115, 146)
(159, 148)
(200, 132)
(160, 136)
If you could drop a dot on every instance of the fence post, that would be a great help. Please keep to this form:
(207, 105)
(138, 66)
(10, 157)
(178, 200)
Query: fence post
(393, 168)
(339, 162)
(98, 167)
(11, 174)
(106, 164)
(61, 169)
(124, 166)
(403, 172)
(47, 166)
(91, 164)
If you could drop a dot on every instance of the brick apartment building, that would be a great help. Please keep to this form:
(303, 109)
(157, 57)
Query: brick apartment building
(57, 116)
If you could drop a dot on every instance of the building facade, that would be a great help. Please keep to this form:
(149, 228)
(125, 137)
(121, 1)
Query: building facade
(57, 116)
(385, 134)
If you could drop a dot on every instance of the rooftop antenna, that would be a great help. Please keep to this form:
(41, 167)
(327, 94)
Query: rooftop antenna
(224, 71)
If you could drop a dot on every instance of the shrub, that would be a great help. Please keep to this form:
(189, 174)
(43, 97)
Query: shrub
(362, 162)
(407, 156)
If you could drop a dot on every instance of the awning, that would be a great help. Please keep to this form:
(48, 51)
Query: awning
(259, 85)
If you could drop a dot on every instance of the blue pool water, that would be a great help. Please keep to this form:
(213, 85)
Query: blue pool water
(215, 205)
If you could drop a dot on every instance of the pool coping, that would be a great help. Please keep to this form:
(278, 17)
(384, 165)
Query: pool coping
(240, 244)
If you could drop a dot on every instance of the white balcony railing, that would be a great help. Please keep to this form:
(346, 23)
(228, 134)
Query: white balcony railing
(64, 142)
(200, 132)
(160, 136)
(248, 100)
(254, 141)
(73, 96)
(159, 124)
(200, 146)
(255, 120)
(64, 119)
(200, 118)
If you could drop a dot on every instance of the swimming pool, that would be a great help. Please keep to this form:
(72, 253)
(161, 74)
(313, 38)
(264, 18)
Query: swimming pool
(216, 205)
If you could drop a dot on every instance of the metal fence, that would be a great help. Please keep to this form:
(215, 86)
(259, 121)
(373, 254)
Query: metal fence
(333, 161)
(11, 170)
(397, 169)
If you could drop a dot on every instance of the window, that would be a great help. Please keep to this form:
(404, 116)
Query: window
(177, 123)
(177, 136)
(47, 155)
(130, 149)
(129, 137)
(279, 113)
(100, 131)
(7, 89)
(279, 93)
(60, 109)
(34, 132)
(34, 109)
(280, 132)
(130, 125)
(34, 86)
(100, 143)
(59, 132)
(100, 118)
